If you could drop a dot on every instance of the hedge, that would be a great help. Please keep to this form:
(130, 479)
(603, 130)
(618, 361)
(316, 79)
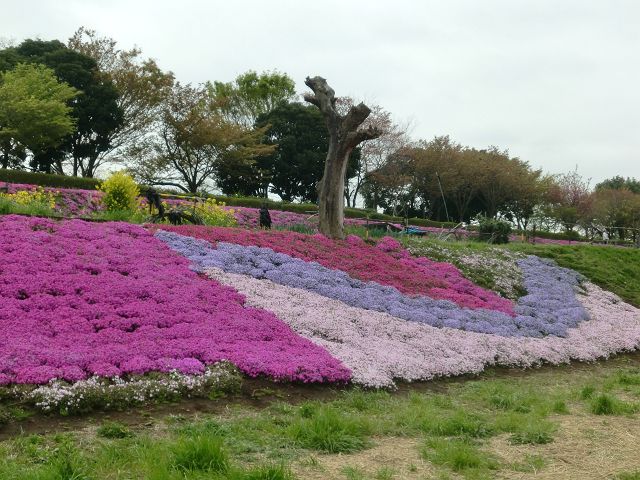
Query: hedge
(310, 208)
(48, 180)
(65, 181)
(573, 235)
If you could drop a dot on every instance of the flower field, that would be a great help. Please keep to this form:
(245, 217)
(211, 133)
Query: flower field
(107, 300)
(84, 300)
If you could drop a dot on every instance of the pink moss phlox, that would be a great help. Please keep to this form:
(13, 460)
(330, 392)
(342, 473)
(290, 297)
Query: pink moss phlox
(79, 298)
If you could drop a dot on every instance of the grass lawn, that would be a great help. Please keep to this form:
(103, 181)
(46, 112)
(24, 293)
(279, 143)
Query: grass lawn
(566, 422)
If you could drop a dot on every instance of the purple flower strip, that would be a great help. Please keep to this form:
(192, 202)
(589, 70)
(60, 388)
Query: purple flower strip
(549, 308)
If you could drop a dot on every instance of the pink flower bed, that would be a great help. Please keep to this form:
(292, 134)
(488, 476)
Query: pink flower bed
(389, 264)
(249, 217)
(80, 299)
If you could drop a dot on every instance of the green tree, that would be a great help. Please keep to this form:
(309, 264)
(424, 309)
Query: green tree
(141, 85)
(95, 109)
(191, 140)
(619, 183)
(251, 95)
(34, 114)
(295, 167)
(617, 210)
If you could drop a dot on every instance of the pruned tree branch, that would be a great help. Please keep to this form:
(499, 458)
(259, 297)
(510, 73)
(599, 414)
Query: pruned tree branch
(324, 97)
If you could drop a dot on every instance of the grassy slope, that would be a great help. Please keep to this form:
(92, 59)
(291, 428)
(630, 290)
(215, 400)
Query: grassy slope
(502, 425)
(614, 269)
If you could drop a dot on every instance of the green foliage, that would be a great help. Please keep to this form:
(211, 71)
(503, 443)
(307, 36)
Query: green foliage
(458, 422)
(196, 139)
(534, 433)
(5, 415)
(113, 430)
(608, 404)
(570, 235)
(33, 110)
(120, 192)
(36, 202)
(384, 473)
(48, 180)
(587, 392)
(213, 213)
(251, 95)
(296, 164)
(267, 472)
(458, 454)
(619, 183)
(330, 430)
(199, 454)
(492, 230)
(628, 475)
(531, 464)
(95, 109)
(260, 442)
(353, 473)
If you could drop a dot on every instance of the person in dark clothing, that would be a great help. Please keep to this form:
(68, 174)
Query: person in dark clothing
(265, 217)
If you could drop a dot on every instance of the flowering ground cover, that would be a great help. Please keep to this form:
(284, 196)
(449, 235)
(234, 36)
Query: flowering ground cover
(383, 336)
(389, 264)
(550, 306)
(82, 299)
(69, 201)
(492, 267)
(380, 348)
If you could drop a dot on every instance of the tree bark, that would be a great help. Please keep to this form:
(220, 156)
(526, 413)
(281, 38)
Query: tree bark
(344, 136)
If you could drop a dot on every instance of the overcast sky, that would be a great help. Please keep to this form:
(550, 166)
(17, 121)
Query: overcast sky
(557, 82)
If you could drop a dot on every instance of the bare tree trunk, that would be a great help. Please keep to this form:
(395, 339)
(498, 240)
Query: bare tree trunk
(344, 136)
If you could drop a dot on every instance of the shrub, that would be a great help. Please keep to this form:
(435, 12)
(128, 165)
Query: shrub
(493, 230)
(213, 213)
(120, 192)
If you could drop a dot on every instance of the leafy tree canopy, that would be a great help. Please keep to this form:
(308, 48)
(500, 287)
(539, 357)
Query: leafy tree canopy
(296, 165)
(619, 183)
(34, 114)
(251, 95)
(95, 109)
